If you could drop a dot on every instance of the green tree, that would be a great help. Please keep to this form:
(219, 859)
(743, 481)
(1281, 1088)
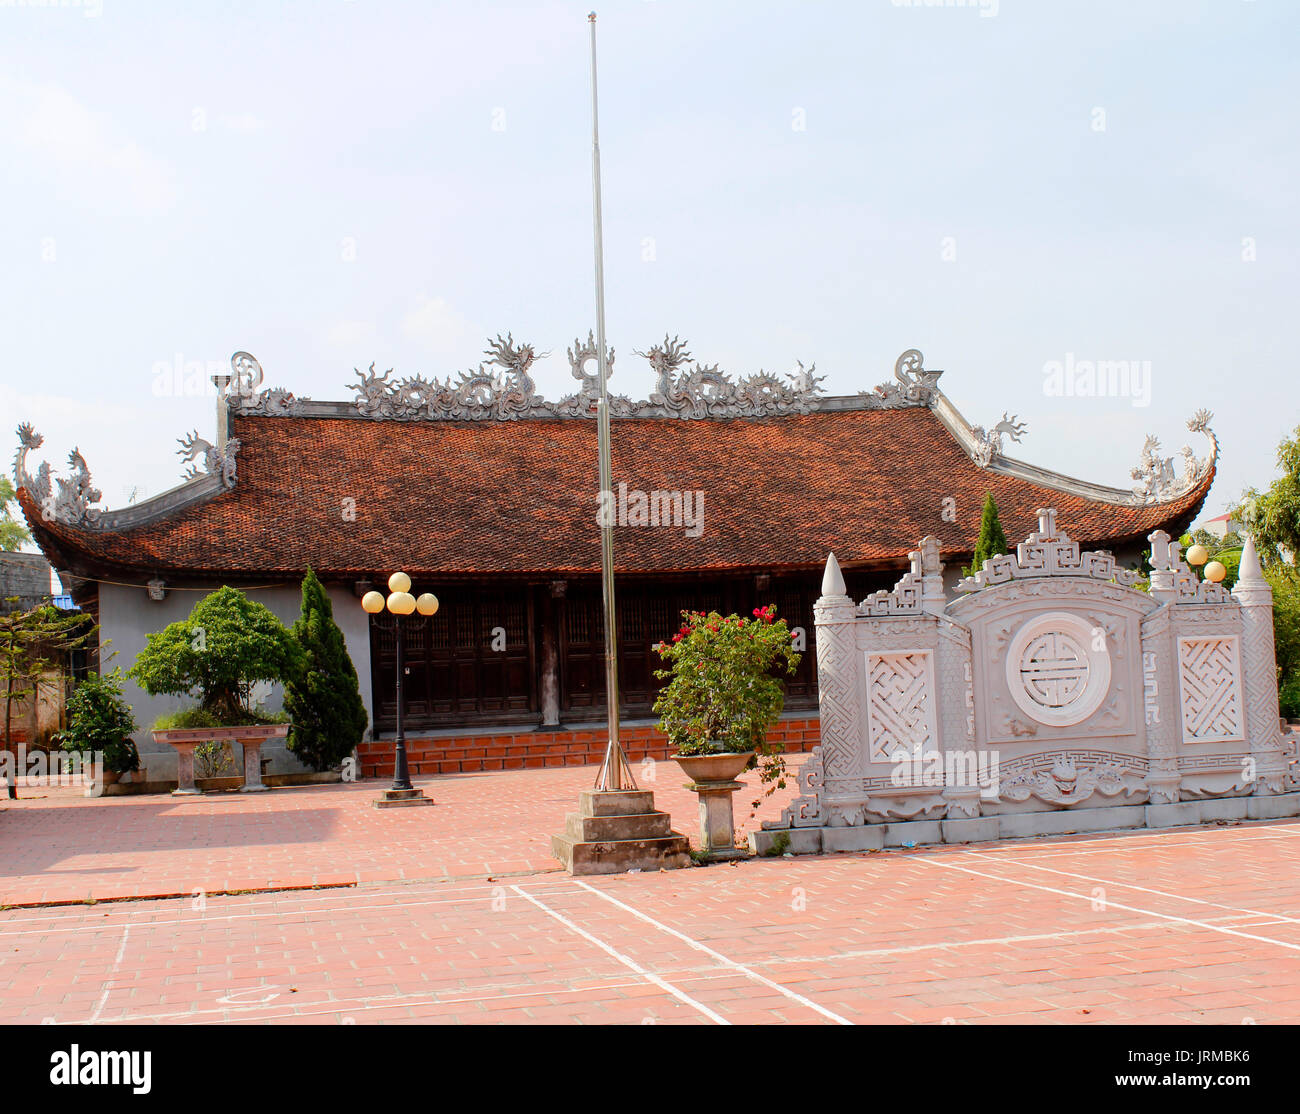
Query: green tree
(100, 720)
(992, 540)
(13, 534)
(227, 645)
(1273, 516)
(1285, 582)
(34, 644)
(324, 699)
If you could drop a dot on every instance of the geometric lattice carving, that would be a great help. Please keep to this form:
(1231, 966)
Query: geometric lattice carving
(1048, 551)
(1209, 679)
(900, 704)
(835, 697)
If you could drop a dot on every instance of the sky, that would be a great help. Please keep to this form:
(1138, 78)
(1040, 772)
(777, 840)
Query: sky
(1008, 186)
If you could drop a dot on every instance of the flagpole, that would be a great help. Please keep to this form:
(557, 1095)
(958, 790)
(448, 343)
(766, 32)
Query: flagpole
(611, 777)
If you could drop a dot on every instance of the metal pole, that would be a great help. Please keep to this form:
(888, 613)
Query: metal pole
(611, 775)
(401, 775)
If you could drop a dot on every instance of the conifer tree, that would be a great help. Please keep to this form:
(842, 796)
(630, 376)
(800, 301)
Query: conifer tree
(324, 699)
(992, 540)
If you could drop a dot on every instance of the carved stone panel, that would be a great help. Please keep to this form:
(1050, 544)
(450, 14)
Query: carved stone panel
(1209, 682)
(901, 704)
(1057, 669)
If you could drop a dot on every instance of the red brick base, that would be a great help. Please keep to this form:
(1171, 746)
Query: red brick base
(515, 749)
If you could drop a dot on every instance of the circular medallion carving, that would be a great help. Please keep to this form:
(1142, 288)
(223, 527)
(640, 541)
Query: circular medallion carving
(1056, 673)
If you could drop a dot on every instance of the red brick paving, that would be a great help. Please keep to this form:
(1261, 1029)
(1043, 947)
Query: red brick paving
(66, 847)
(1183, 926)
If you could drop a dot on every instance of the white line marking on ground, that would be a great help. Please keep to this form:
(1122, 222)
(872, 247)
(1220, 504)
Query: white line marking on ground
(718, 956)
(649, 976)
(1112, 904)
(988, 941)
(108, 979)
(204, 918)
(1239, 909)
(345, 1005)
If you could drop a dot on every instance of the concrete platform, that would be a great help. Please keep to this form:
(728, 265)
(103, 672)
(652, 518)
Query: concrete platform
(1020, 825)
(615, 832)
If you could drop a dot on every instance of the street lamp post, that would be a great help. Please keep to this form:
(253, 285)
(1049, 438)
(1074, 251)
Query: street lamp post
(400, 603)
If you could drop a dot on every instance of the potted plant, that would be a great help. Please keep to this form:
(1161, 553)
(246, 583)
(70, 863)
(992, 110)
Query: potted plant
(100, 723)
(723, 694)
(228, 644)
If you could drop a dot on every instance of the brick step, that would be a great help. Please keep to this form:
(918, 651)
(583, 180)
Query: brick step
(476, 753)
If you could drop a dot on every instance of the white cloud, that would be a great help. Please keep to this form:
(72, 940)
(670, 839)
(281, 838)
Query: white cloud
(345, 334)
(243, 122)
(80, 149)
(440, 329)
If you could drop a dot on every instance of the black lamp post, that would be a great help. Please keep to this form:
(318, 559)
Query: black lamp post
(400, 603)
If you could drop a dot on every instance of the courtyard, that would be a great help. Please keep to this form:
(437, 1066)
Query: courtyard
(308, 905)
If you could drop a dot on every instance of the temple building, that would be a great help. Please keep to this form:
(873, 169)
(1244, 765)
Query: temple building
(729, 494)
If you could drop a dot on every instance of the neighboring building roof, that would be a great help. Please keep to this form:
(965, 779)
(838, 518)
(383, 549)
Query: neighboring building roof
(865, 477)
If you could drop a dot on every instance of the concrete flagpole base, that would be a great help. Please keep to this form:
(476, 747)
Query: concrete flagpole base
(616, 831)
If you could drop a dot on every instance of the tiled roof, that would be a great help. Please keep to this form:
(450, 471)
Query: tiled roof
(464, 498)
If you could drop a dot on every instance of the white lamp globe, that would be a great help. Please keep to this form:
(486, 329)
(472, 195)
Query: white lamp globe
(372, 603)
(427, 604)
(401, 603)
(1215, 571)
(399, 582)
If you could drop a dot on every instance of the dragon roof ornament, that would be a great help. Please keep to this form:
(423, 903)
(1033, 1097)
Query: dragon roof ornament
(71, 503)
(1159, 480)
(502, 388)
(218, 462)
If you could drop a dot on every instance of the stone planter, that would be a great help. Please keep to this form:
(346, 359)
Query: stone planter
(713, 780)
(184, 739)
(218, 784)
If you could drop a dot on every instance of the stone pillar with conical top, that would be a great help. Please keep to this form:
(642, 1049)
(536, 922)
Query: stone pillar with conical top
(837, 700)
(1259, 671)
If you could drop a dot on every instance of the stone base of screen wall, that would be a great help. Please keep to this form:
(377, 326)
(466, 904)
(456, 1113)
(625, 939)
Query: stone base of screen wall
(1021, 825)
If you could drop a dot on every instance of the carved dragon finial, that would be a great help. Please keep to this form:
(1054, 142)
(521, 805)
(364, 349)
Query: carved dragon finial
(989, 442)
(76, 491)
(1159, 480)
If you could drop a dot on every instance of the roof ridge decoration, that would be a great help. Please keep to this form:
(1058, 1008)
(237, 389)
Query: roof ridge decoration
(1159, 483)
(219, 462)
(246, 377)
(695, 392)
(72, 504)
(915, 387)
(1048, 551)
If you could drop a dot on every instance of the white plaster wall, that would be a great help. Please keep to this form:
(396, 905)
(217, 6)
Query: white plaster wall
(127, 615)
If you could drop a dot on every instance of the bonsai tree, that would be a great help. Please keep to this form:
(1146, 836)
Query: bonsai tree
(218, 654)
(100, 721)
(724, 690)
(323, 700)
(992, 539)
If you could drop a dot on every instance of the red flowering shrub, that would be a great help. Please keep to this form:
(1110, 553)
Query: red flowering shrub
(723, 691)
